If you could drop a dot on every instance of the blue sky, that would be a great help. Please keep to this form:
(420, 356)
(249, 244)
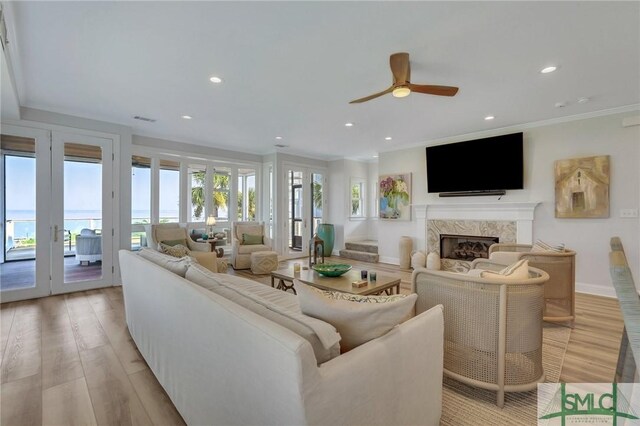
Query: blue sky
(82, 183)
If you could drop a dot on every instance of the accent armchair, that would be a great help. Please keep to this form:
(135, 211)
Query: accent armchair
(173, 232)
(240, 250)
(492, 327)
(88, 246)
(560, 290)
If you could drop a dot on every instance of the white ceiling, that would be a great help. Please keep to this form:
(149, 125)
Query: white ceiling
(290, 68)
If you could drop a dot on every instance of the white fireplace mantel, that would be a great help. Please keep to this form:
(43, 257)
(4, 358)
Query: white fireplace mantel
(520, 212)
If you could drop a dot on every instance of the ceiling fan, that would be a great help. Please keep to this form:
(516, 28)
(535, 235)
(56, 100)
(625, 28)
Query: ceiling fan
(401, 87)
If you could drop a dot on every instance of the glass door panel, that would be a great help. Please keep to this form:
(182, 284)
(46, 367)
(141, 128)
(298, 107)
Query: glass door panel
(24, 215)
(82, 222)
(140, 200)
(296, 221)
(169, 181)
(317, 191)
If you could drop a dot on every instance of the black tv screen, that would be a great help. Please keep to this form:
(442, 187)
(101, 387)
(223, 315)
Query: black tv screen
(487, 164)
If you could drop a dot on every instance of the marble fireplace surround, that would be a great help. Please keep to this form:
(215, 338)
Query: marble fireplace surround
(510, 221)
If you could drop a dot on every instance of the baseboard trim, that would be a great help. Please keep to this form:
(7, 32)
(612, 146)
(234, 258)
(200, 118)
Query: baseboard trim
(596, 290)
(389, 260)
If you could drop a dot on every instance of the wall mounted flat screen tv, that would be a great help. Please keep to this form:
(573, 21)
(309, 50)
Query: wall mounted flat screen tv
(476, 166)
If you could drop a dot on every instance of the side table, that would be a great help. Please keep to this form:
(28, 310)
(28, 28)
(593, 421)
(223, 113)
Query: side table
(213, 241)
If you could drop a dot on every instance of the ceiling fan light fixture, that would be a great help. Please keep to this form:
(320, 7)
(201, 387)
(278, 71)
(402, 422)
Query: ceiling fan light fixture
(401, 92)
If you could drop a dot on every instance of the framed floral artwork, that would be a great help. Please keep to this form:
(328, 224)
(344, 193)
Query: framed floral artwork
(395, 196)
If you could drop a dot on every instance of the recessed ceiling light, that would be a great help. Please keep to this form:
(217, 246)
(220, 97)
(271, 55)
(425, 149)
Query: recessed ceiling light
(489, 117)
(278, 138)
(547, 70)
(388, 138)
(187, 117)
(279, 145)
(375, 156)
(348, 124)
(215, 79)
(583, 100)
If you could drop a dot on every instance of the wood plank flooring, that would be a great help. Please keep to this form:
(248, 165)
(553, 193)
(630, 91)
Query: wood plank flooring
(69, 359)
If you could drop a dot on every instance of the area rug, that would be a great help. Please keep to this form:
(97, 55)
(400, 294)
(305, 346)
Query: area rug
(466, 405)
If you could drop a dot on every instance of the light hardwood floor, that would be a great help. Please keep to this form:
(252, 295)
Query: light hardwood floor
(69, 359)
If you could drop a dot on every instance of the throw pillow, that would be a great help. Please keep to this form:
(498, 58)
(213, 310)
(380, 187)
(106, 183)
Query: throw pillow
(518, 271)
(176, 265)
(541, 246)
(250, 240)
(358, 319)
(182, 242)
(176, 251)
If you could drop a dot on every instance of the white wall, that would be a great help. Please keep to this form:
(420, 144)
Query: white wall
(542, 147)
(341, 173)
(372, 191)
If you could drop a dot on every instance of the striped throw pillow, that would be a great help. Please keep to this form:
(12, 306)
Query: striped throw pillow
(541, 246)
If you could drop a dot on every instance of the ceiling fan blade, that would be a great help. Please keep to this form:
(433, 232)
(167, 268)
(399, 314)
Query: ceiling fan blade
(400, 67)
(433, 90)
(368, 98)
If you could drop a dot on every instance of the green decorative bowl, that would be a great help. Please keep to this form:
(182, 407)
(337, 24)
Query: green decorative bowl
(331, 269)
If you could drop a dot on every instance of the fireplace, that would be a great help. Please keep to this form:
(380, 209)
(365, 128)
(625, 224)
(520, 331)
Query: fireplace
(465, 247)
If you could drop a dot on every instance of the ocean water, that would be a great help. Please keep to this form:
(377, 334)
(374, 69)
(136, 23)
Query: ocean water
(24, 223)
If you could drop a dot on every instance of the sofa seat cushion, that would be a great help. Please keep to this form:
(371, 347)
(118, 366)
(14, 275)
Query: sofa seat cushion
(248, 249)
(358, 319)
(177, 265)
(322, 336)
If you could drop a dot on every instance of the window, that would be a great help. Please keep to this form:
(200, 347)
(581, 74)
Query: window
(169, 191)
(196, 194)
(246, 194)
(357, 198)
(140, 199)
(221, 183)
(316, 199)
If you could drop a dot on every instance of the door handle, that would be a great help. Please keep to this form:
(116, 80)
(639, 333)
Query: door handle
(55, 233)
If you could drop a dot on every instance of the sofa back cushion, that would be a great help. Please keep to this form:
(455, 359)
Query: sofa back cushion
(254, 228)
(323, 337)
(358, 319)
(176, 265)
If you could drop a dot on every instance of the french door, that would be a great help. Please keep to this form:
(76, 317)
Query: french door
(81, 212)
(55, 212)
(25, 214)
(305, 190)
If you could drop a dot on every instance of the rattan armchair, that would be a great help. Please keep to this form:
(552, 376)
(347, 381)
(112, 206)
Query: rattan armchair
(560, 290)
(493, 328)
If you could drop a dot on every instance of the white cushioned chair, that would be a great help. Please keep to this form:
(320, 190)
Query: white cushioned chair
(88, 246)
(158, 233)
(241, 253)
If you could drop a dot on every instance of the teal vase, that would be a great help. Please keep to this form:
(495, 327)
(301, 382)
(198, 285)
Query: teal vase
(327, 232)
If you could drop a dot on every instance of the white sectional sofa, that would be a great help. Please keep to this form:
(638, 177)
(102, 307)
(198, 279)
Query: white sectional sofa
(223, 364)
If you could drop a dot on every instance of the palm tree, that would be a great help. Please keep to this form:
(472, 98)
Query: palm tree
(220, 193)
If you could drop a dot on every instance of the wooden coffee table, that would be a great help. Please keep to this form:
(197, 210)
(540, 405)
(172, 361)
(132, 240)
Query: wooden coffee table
(382, 284)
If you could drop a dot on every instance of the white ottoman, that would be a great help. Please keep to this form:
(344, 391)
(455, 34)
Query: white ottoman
(263, 262)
